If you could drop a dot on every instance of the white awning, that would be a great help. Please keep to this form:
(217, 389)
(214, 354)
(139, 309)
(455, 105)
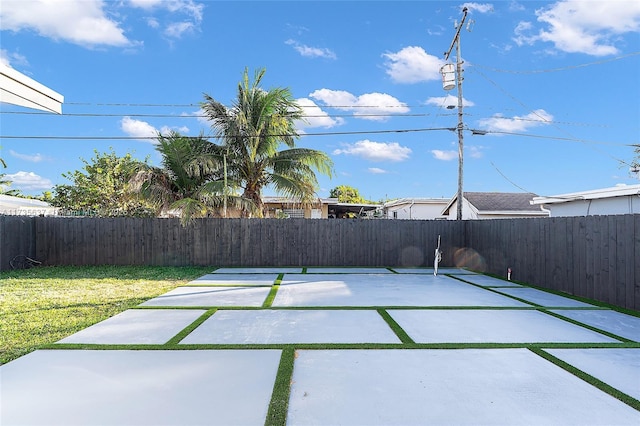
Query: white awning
(18, 89)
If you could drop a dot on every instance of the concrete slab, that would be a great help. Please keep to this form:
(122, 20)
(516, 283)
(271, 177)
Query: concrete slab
(137, 326)
(211, 297)
(620, 324)
(383, 290)
(293, 326)
(486, 281)
(443, 270)
(461, 387)
(235, 279)
(542, 298)
(348, 270)
(269, 270)
(61, 387)
(617, 367)
(491, 326)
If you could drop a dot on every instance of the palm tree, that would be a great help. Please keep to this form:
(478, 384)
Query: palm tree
(183, 184)
(252, 131)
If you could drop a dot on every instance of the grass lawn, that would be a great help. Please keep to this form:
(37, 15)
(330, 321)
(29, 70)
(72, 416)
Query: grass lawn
(42, 305)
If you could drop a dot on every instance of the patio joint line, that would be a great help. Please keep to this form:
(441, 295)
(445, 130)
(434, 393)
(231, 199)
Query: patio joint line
(188, 329)
(279, 403)
(618, 394)
(268, 301)
(395, 327)
(340, 346)
(587, 326)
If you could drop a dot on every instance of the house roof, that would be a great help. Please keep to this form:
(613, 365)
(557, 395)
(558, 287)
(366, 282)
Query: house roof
(403, 201)
(18, 89)
(616, 191)
(287, 200)
(498, 202)
(18, 205)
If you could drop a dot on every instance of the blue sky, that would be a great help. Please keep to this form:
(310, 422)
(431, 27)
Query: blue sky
(555, 85)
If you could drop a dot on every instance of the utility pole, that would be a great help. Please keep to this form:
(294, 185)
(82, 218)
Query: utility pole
(460, 128)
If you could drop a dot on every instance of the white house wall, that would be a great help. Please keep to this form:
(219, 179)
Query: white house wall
(468, 211)
(416, 211)
(603, 206)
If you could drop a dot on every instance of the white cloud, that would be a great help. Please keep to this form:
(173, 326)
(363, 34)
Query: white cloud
(478, 7)
(315, 116)
(153, 22)
(514, 6)
(376, 151)
(499, 123)
(444, 155)
(82, 22)
(200, 116)
(145, 4)
(139, 129)
(187, 7)
(475, 151)
(412, 65)
(370, 106)
(189, 12)
(145, 131)
(577, 26)
(34, 158)
(177, 29)
(311, 52)
(437, 30)
(15, 58)
(29, 181)
(377, 171)
(449, 100)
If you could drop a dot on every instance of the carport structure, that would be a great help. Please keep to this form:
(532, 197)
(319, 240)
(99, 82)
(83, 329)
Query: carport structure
(18, 89)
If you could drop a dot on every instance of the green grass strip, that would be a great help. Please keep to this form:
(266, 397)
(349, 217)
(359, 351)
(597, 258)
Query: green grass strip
(345, 346)
(277, 413)
(630, 401)
(272, 294)
(188, 329)
(230, 284)
(587, 326)
(402, 335)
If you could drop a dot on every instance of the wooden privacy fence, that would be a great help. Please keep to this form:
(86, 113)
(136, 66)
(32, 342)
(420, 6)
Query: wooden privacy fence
(594, 257)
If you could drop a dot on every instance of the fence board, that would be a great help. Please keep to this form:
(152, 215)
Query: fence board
(593, 257)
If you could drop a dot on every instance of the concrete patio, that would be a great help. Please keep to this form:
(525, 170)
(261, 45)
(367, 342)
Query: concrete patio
(368, 346)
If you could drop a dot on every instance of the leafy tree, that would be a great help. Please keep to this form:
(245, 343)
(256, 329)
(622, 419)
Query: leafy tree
(4, 184)
(102, 187)
(347, 194)
(46, 196)
(190, 181)
(252, 131)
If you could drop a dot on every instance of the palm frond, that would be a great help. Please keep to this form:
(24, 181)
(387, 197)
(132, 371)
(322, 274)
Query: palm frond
(189, 209)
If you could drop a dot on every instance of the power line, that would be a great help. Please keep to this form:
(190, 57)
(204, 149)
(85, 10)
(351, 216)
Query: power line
(544, 120)
(509, 180)
(220, 137)
(80, 114)
(482, 132)
(569, 67)
(362, 132)
(355, 115)
(198, 105)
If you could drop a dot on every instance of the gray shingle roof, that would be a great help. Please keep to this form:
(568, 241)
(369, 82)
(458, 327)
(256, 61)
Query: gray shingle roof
(501, 201)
